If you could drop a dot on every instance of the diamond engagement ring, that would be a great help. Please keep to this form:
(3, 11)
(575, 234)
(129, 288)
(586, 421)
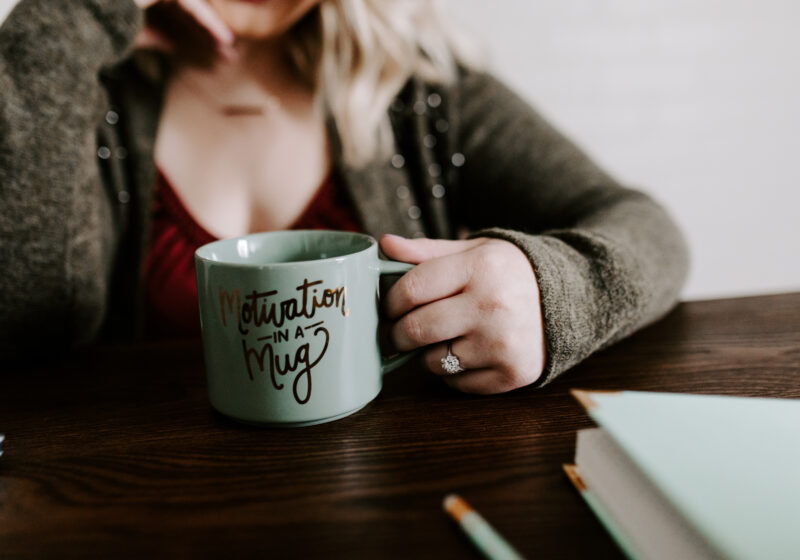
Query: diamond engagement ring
(451, 363)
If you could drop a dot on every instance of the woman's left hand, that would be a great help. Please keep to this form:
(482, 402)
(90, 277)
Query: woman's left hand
(198, 11)
(482, 295)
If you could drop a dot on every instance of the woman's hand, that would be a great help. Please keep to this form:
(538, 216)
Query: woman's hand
(202, 13)
(483, 295)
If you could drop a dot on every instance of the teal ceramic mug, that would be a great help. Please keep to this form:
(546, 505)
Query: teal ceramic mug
(290, 325)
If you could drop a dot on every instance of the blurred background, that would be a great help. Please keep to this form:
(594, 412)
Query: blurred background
(697, 103)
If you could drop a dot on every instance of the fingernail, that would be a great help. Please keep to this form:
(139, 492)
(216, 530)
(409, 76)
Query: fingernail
(393, 236)
(228, 53)
(227, 36)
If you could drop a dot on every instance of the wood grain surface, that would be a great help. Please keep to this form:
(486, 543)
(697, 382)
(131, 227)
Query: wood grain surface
(115, 451)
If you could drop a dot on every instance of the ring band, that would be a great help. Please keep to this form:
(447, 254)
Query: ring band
(450, 363)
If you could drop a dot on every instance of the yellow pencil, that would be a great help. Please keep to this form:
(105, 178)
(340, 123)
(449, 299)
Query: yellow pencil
(483, 535)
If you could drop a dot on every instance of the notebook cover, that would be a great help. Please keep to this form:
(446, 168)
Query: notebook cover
(729, 465)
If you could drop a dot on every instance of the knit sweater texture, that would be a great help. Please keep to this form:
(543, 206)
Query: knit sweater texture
(78, 121)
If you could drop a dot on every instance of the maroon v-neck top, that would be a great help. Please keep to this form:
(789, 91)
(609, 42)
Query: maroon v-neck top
(169, 279)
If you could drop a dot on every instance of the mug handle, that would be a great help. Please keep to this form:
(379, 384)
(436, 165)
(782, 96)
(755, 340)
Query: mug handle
(390, 363)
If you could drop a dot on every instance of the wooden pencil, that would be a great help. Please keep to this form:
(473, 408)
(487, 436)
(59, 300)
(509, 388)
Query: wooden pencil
(482, 535)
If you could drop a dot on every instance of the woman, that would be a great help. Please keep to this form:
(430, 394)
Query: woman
(354, 114)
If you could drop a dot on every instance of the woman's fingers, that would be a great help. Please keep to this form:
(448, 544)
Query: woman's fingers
(151, 39)
(468, 354)
(420, 250)
(492, 363)
(203, 15)
(438, 321)
(208, 18)
(482, 381)
(427, 282)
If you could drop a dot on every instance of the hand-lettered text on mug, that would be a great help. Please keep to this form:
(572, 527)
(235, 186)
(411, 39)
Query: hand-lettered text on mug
(263, 310)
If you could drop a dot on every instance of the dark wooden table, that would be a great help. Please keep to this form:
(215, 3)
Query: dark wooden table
(115, 451)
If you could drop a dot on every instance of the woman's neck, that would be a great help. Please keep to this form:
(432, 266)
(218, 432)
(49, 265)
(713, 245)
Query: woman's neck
(259, 74)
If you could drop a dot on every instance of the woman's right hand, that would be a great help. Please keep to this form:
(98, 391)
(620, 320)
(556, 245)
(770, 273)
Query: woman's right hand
(202, 13)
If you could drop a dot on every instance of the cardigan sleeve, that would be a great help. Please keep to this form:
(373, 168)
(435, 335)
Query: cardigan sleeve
(55, 234)
(608, 259)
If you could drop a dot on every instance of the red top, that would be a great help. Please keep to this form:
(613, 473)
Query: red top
(170, 288)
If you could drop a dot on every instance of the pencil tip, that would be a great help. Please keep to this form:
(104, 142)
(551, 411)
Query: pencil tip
(455, 506)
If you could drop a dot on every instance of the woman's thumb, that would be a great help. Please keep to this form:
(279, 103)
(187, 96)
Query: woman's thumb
(420, 250)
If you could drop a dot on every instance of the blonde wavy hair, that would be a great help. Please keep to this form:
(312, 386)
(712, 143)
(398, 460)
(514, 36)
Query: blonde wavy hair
(358, 54)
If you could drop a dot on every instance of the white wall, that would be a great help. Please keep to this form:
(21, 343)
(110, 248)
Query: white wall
(5, 7)
(697, 103)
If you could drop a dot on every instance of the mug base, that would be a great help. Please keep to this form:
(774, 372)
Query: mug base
(294, 424)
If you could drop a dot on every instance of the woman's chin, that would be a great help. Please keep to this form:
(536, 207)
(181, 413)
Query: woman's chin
(261, 19)
(254, 28)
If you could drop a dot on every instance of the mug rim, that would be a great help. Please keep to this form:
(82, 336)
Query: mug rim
(209, 246)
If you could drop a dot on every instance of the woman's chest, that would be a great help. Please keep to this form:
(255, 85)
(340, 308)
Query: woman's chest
(242, 173)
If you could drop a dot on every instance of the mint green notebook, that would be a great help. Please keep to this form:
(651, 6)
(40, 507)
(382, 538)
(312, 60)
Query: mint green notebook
(691, 476)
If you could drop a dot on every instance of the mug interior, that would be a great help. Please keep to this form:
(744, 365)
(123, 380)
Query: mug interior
(284, 247)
